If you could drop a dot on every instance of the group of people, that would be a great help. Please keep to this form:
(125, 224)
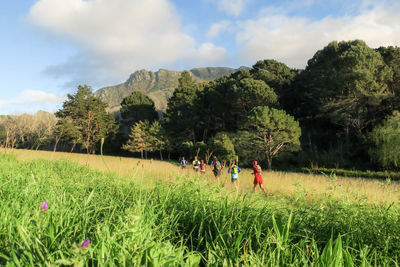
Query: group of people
(233, 170)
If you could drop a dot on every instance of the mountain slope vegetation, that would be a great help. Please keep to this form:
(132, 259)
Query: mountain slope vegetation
(158, 85)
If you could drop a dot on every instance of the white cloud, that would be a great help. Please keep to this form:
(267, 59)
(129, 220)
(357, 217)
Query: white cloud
(294, 40)
(209, 54)
(217, 28)
(232, 7)
(117, 37)
(28, 97)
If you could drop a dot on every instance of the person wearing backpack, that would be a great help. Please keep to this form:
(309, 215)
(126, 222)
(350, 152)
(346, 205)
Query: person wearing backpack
(196, 164)
(202, 167)
(183, 163)
(234, 170)
(216, 168)
(257, 171)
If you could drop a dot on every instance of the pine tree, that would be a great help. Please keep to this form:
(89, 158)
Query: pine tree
(136, 107)
(85, 119)
(139, 139)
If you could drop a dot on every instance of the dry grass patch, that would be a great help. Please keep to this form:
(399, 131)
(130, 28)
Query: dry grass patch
(277, 183)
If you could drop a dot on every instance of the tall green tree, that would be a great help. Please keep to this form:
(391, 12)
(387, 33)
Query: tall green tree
(136, 107)
(186, 79)
(86, 119)
(279, 77)
(350, 82)
(271, 131)
(338, 98)
(224, 102)
(251, 93)
(386, 142)
(391, 56)
(158, 138)
(139, 138)
(221, 145)
(181, 117)
(276, 74)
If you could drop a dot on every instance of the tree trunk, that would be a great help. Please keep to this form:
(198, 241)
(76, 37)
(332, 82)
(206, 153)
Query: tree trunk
(73, 147)
(161, 155)
(347, 140)
(55, 145)
(145, 153)
(13, 143)
(141, 153)
(269, 160)
(193, 136)
(169, 155)
(7, 140)
(205, 134)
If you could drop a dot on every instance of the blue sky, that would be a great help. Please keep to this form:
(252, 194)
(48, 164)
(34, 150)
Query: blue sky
(50, 46)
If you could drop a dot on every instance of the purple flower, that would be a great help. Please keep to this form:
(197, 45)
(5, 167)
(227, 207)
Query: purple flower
(44, 205)
(86, 243)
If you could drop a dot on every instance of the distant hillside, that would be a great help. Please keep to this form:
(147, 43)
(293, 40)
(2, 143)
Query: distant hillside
(159, 85)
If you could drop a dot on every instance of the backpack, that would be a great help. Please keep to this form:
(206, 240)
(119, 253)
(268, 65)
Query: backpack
(235, 169)
(258, 169)
(217, 166)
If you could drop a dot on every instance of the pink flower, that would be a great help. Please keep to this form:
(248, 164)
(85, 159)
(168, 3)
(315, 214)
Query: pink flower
(86, 243)
(44, 206)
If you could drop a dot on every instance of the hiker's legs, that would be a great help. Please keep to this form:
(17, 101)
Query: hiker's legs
(216, 174)
(235, 183)
(263, 189)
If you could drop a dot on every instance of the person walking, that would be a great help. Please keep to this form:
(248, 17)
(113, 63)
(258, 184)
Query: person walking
(196, 164)
(216, 168)
(183, 163)
(257, 171)
(203, 167)
(234, 170)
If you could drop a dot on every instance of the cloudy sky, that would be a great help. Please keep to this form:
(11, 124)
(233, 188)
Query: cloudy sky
(48, 47)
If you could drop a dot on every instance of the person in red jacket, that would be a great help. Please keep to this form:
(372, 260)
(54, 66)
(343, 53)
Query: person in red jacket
(258, 178)
(202, 167)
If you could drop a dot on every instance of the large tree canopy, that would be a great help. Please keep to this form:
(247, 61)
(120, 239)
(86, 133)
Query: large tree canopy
(276, 74)
(391, 56)
(386, 142)
(85, 119)
(270, 131)
(136, 107)
(347, 82)
(339, 97)
(181, 117)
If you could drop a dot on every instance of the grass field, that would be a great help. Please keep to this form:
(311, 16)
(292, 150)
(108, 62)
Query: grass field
(152, 213)
(277, 183)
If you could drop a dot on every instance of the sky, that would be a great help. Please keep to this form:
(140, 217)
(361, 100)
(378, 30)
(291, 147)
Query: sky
(49, 47)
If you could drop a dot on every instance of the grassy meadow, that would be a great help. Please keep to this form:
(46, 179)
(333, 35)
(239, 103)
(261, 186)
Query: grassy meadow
(152, 213)
(277, 183)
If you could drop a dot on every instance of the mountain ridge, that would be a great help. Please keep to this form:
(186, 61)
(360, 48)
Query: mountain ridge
(159, 85)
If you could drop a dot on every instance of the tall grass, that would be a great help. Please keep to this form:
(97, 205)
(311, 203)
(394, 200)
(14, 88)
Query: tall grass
(182, 222)
(277, 183)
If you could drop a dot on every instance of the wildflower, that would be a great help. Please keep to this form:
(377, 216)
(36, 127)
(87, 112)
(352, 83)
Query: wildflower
(86, 243)
(44, 206)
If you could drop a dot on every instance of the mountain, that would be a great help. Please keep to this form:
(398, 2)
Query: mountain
(159, 85)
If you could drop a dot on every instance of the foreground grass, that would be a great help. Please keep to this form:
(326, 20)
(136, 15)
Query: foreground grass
(277, 183)
(182, 222)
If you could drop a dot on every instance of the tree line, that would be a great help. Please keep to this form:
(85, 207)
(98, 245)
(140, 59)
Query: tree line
(342, 110)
